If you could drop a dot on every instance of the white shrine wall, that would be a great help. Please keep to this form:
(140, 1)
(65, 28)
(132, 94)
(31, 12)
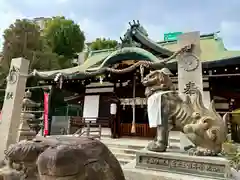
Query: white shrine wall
(91, 107)
(91, 100)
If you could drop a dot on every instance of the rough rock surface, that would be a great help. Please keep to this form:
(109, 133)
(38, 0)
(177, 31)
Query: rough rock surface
(80, 159)
(64, 158)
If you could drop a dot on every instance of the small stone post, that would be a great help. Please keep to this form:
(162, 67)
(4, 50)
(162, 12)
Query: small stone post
(12, 103)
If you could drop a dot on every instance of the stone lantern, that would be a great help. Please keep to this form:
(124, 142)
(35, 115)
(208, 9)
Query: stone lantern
(25, 132)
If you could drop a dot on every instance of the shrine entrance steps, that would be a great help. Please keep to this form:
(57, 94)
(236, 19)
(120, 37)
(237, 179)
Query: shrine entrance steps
(125, 148)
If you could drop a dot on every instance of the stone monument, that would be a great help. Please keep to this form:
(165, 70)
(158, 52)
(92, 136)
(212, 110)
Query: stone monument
(190, 67)
(190, 72)
(16, 83)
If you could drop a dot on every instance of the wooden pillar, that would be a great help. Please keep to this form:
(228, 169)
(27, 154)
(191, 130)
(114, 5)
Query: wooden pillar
(133, 130)
(232, 128)
(211, 88)
(49, 91)
(118, 116)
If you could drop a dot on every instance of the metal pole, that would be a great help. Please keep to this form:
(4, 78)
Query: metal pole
(133, 130)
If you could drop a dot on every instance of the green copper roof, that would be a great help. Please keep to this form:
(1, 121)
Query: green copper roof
(93, 59)
(153, 45)
(212, 48)
(131, 51)
(102, 60)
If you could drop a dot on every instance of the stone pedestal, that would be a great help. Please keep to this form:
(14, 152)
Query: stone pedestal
(133, 173)
(182, 163)
(24, 132)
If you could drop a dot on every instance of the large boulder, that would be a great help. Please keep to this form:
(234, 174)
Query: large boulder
(79, 159)
(62, 158)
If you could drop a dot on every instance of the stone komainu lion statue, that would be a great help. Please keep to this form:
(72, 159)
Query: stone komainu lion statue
(64, 158)
(204, 127)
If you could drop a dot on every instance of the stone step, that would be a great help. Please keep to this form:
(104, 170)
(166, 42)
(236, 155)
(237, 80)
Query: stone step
(174, 136)
(171, 139)
(135, 147)
(174, 145)
(174, 139)
(117, 148)
(125, 156)
(123, 161)
(123, 150)
(123, 146)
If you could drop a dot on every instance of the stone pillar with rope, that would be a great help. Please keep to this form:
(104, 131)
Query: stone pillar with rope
(190, 67)
(16, 83)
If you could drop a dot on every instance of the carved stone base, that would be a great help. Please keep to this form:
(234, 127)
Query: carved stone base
(183, 163)
(133, 173)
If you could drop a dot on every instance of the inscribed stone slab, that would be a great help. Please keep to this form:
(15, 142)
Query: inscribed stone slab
(12, 103)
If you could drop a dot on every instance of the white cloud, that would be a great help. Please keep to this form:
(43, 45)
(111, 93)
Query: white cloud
(105, 19)
(94, 29)
(8, 15)
(230, 33)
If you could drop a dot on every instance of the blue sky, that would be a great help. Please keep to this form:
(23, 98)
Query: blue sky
(109, 18)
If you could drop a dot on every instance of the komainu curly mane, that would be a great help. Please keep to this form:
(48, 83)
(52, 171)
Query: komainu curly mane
(203, 126)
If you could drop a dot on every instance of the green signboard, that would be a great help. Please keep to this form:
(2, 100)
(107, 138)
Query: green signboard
(171, 36)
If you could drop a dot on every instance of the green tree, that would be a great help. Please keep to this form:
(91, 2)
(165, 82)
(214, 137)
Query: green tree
(102, 43)
(23, 39)
(64, 37)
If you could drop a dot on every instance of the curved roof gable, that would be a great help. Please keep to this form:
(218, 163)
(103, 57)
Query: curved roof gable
(103, 61)
(111, 59)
